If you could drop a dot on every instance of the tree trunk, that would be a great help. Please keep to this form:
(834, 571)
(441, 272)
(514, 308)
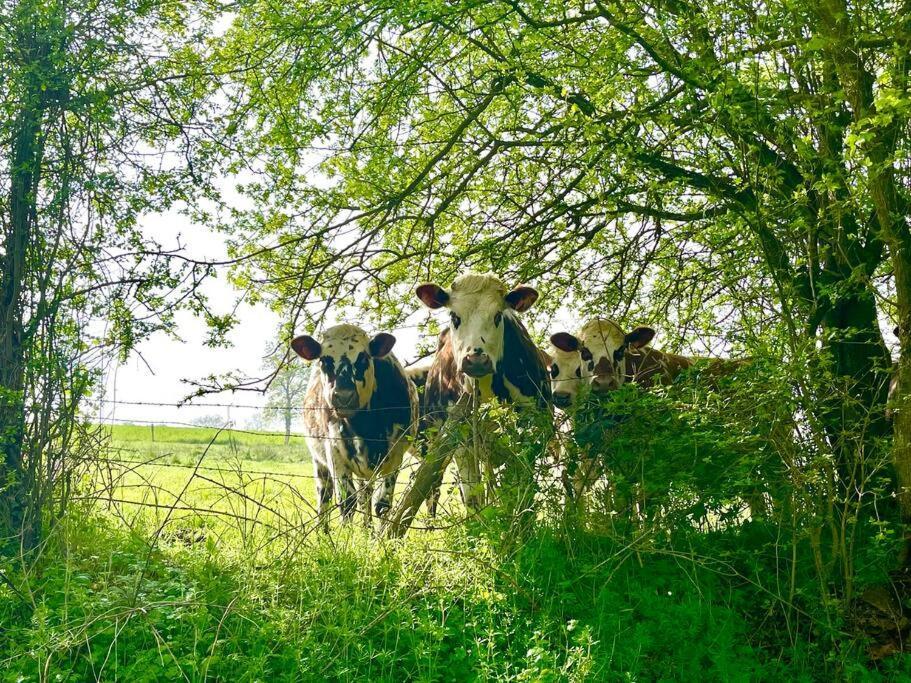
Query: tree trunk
(855, 415)
(425, 482)
(19, 521)
(287, 426)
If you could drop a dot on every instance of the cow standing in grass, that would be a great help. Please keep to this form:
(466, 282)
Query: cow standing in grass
(361, 415)
(601, 358)
(486, 354)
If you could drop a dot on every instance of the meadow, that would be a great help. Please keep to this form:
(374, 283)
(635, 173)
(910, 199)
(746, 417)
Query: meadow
(206, 565)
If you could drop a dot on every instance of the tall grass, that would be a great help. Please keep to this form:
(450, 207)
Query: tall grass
(449, 605)
(207, 565)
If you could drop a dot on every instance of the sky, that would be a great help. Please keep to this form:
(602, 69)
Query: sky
(158, 370)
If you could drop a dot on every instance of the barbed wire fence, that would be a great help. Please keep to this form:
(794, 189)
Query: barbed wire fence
(281, 505)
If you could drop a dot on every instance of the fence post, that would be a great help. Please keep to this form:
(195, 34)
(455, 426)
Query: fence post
(153, 432)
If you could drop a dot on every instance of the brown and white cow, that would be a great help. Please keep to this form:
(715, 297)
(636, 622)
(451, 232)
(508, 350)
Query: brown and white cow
(361, 414)
(602, 357)
(605, 357)
(486, 354)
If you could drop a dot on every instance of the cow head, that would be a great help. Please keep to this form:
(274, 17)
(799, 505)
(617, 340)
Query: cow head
(602, 346)
(477, 304)
(568, 368)
(345, 356)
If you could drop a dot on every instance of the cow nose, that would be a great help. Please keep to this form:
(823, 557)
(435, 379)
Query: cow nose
(477, 364)
(562, 399)
(602, 384)
(344, 399)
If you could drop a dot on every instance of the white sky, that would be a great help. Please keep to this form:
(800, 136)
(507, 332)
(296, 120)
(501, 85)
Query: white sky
(158, 375)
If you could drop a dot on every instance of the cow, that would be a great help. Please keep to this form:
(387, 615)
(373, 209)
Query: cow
(601, 358)
(486, 354)
(361, 414)
(605, 357)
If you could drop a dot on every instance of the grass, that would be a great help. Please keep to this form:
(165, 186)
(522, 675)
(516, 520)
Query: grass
(435, 607)
(128, 588)
(185, 444)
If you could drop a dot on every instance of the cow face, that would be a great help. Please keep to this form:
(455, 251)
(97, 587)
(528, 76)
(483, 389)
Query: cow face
(477, 305)
(604, 345)
(345, 356)
(568, 369)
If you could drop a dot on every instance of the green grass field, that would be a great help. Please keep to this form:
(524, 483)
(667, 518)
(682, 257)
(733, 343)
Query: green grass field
(165, 572)
(188, 443)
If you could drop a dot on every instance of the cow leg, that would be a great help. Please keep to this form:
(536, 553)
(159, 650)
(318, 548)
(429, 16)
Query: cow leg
(364, 498)
(433, 500)
(347, 496)
(323, 480)
(469, 479)
(382, 501)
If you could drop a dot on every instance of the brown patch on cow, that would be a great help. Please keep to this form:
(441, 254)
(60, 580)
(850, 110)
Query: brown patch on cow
(651, 366)
(444, 384)
(603, 367)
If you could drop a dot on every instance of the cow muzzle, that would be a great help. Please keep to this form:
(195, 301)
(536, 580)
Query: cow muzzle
(604, 384)
(562, 399)
(477, 365)
(345, 401)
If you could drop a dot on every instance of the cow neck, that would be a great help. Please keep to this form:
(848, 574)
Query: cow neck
(520, 365)
(636, 364)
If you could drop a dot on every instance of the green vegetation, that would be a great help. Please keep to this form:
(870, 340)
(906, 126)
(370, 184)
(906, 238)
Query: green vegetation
(186, 444)
(234, 583)
(438, 606)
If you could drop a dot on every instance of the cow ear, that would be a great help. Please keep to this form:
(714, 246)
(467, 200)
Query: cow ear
(381, 344)
(522, 298)
(639, 337)
(565, 341)
(306, 347)
(432, 295)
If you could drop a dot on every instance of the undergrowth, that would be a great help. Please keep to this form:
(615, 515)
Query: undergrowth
(449, 605)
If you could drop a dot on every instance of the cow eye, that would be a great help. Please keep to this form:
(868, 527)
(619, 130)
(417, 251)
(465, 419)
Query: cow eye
(497, 318)
(362, 362)
(618, 354)
(456, 320)
(554, 371)
(327, 365)
(585, 354)
(578, 372)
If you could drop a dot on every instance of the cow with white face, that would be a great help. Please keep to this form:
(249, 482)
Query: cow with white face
(567, 379)
(605, 357)
(486, 354)
(596, 361)
(602, 358)
(361, 414)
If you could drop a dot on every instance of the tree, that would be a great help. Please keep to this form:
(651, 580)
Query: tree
(679, 163)
(96, 125)
(285, 394)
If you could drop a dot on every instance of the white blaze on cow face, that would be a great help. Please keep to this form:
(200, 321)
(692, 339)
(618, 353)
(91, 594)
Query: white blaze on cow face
(606, 345)
(568, 371)
(477, 304)
(346, 368)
